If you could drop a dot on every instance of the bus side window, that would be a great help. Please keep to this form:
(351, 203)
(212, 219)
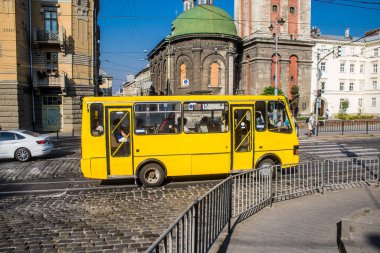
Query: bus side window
(260, 116)
(205, 117)
(156, 118)
(96, 119)
(278, 119)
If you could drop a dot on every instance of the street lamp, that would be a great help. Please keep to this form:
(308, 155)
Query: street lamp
(280, 22)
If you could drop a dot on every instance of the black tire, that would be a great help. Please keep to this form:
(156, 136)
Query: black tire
(265, 167)
(22, 155)
(152, 175)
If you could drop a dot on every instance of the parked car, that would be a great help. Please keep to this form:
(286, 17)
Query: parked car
(24, 144)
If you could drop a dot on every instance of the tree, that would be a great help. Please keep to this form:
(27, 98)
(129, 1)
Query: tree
(294, 102)
(269, 90)
(345, 105)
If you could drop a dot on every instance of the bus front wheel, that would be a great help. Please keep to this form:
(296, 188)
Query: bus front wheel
(152, 175)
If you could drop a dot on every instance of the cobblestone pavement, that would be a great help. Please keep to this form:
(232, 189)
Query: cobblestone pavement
(96, 221)
(62, 163)
(122, 220)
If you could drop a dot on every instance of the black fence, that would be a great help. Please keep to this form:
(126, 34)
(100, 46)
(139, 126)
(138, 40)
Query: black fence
(342, 126)
(242, 195)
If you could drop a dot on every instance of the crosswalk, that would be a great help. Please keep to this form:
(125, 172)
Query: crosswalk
(313, 149)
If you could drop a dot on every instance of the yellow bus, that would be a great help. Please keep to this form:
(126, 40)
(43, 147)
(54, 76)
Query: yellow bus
(155, 137)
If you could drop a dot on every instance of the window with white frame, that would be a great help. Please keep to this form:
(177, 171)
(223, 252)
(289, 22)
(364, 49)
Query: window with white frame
(323, 66)
(361, 85)
(341, 86)
(352, 68)
(351, 86)
(376, 52)
(361, 68)
(362, 51)
(352, 51)
(374, 84)
(374, 69)
(342, 67)
(51, 63)
(373, 102)
(360, 102)
(343, 51)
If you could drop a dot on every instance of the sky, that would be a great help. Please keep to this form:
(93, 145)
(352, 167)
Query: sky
(130, 29)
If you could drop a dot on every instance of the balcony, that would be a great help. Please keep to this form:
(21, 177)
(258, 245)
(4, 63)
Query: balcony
(41, 79)
(43, 39)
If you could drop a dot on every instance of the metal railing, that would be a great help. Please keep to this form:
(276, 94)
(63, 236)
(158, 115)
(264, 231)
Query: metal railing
(196, 229)
(342, 126)
(45, 35)
(242, 195)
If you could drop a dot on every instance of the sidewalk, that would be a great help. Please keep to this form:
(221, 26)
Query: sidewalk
(307, 224)
(329, 135)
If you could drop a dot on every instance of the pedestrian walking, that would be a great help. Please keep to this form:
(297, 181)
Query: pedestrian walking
(310, 124)
(327, 114)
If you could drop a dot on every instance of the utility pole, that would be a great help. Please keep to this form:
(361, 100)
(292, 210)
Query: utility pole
(280, 22)
(31, 63)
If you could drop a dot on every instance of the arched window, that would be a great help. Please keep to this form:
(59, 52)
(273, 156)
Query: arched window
(183, 71)
(214, 74)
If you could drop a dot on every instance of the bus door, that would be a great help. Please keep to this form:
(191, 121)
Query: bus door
(119, 142)
(242, 137)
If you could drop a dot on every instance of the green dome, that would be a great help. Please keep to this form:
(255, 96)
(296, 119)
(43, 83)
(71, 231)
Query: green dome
(204, 19)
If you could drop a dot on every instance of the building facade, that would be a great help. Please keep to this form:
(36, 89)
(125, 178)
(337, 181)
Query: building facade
(105, 83)
(258, 24)
(351, 75)
(49, 59)
(140, 85)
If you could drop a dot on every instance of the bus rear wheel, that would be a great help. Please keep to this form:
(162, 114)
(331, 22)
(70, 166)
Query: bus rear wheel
(265, 167)
(152, 175)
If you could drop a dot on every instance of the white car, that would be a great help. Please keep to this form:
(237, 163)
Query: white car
(24, 144)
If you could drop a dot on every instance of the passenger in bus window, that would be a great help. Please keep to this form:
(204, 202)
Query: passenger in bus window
(99, 128)
(185, 128)
(168, 124)
(203, 125)
(179, 124)
(224, 123)
(260, 124)
(120, 134)
(140, 129)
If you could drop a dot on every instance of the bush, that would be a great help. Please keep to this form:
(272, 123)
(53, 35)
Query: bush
(345, 116)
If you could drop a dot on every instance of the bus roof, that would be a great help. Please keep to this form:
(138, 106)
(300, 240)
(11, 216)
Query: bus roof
(229, 98)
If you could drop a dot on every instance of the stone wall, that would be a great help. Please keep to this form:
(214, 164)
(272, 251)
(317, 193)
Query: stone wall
(260, 52)
(197, 53)
(15, 106)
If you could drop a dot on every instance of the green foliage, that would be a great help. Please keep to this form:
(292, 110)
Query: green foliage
(295, 98)
(345, 105)
(345, 116)
(269, 90)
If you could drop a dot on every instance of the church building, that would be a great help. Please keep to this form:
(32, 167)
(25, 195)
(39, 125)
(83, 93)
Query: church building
(199, 57)
(208, 52)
